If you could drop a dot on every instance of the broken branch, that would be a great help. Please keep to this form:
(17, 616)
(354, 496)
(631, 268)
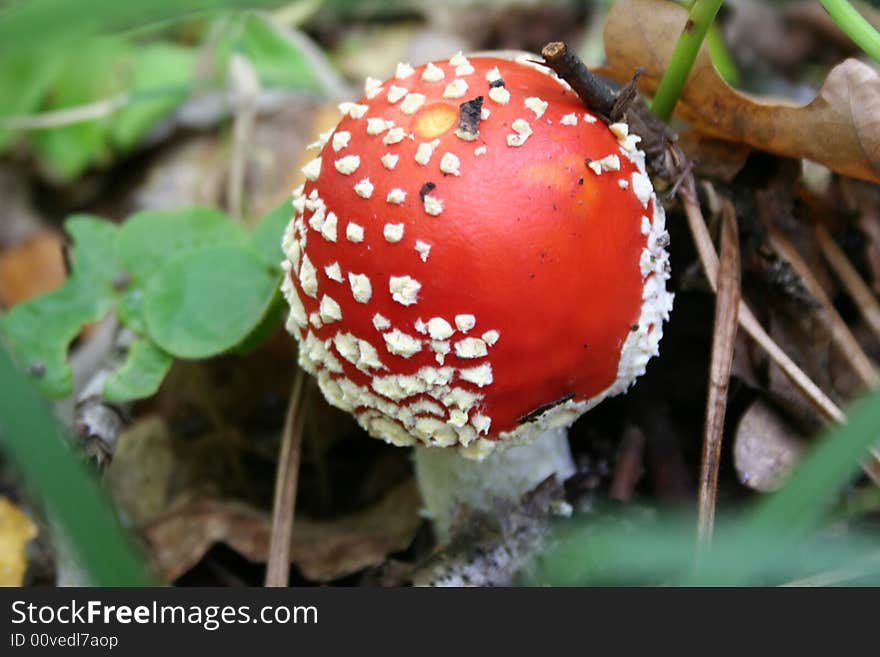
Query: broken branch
(591, 89)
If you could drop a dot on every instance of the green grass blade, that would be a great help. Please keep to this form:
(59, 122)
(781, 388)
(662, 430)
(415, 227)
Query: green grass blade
(679, 68)
(854, 24)
(69, 494)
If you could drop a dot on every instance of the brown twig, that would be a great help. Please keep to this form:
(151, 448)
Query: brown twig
(727, 301)
(244, 90)
(658, 142)
(747, 320)
(278, 565)
(857, 288)
(842, 337)
(591, 89)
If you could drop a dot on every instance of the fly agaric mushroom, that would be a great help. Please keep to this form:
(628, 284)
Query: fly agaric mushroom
(476, 260)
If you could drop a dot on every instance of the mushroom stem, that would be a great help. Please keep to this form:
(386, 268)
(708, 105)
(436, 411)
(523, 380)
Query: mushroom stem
(448, 481)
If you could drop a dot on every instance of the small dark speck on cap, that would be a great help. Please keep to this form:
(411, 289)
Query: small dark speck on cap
(426, 188)
(469, 118)
(496, 83)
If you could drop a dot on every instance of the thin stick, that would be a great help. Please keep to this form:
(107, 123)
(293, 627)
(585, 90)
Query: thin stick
(842, 337)
(245, 87)
(278, 566)
(857, 288)
(706, 250)
(727, 301)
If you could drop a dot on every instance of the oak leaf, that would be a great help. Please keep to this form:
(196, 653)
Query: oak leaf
(839, 128)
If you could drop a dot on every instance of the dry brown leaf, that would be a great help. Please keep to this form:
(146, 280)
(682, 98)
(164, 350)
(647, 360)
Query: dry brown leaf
(31, 268)
(16, 530)
(323, 550)
(140, 474)
(714, 158)
(766, 448)
(840, 128)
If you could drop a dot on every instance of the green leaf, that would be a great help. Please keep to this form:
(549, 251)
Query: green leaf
(95, 255)
(278, 60)
(128, 308)
(271, 321)
(24, 81)
(90, 73)
(39, 332)
(206, 302)
(160, 82)
(140, 375)
(151, 238)
(268, 234)
(47, 24)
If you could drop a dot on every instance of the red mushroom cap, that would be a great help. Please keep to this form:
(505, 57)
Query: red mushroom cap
(475, 256)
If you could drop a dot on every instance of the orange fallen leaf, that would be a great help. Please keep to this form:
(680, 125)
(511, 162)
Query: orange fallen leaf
(840, 128)
(31, 268)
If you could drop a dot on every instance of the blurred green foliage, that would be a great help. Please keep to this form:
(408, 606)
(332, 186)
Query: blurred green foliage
(81, 100)
(189, 283)
(70, 496)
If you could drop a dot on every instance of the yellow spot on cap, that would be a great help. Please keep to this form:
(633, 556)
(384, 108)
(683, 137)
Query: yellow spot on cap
(435, 119)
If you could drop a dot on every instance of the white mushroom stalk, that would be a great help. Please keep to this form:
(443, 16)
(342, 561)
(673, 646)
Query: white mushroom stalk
(450, 483)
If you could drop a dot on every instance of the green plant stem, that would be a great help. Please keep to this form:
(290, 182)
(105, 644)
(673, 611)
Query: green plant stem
(854, 24)
(69, 494)
(700, 18)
